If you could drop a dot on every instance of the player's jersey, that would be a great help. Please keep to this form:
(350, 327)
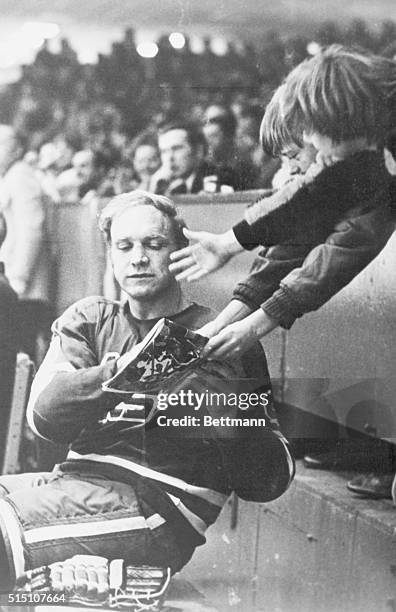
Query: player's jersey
(190, 442)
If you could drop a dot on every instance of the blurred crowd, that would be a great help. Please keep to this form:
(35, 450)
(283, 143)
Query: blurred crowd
(96, 126)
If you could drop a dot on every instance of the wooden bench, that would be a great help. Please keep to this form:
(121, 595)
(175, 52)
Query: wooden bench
(22, 383)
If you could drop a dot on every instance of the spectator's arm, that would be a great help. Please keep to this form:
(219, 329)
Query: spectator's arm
(269, 268)
(317, 197)
(330, 266)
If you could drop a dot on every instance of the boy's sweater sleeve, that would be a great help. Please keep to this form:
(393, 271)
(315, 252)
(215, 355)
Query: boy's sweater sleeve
(66, 394)
(331, 266)
(315, 198)
(312, 203)
(269, 267)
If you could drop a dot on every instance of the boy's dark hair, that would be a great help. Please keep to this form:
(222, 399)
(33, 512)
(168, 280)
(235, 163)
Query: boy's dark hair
(340, 93)
(277, 131)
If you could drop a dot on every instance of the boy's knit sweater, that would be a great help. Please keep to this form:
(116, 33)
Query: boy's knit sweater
(319, 231)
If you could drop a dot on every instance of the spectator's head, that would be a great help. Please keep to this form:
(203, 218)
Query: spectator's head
(298, 159)
(142, 229)
(214, 111)
(66, 151)
(145, 155)
(90, 167)
(219, 130)
(247, 131)
(338, 96)
(31, 158)
(11, 147)
(3, 228)
(48, 157)
(84, 166)
(182, 148)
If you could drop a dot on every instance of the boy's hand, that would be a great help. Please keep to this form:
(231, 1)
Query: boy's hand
(237, 338)
(209, 253)
(231, 342)
(209, 330)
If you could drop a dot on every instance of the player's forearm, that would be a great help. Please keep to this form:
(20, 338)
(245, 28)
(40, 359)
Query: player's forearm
(71, 401)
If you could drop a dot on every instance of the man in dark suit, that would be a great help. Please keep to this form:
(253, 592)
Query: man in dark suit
(184, 169)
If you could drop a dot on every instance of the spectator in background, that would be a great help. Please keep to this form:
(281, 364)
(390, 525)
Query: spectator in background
(48, 170)
(247, 134)
(248, 147)
(146, 159)
(184, 167)
(141, 160)
(25, 251)
(65, 151)
(54, 157)
(31, 158)
(219, 130)
(8, 344)
(88, 173)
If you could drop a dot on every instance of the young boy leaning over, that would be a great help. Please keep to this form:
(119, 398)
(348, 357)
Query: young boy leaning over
(323, 228)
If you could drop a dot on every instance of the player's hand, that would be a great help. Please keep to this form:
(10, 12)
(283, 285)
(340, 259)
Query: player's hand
(208, 253)
(231, 342)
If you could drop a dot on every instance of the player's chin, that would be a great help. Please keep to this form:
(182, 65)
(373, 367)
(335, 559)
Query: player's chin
(136, 289)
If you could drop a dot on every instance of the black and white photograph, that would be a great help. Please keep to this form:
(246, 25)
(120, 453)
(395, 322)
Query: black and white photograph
(198, 305)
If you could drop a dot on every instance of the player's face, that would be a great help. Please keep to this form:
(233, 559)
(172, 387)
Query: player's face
(141, 242)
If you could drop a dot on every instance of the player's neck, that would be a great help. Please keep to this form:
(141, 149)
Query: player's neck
(167, 304)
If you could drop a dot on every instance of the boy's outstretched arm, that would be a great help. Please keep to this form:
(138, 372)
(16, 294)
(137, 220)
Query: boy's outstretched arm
(327, 269)
(307, 204)
(234, 311)
(238, 337)
(331, 266)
